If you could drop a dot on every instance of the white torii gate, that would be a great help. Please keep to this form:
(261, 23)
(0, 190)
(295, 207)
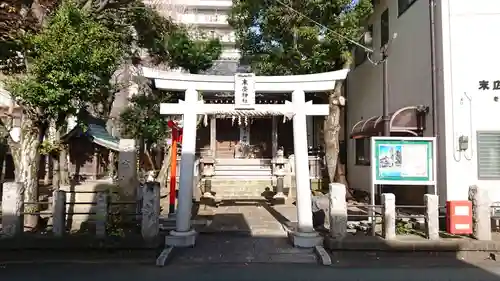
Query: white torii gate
(298, 109)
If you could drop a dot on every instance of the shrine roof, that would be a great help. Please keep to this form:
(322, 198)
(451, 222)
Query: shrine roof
(95, 131)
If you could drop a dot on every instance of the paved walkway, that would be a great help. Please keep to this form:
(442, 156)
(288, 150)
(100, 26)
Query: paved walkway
(246, 233)
(253, 219)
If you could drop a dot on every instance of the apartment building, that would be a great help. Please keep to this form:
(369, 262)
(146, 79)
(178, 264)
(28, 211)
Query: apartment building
(206, 19)
(465, 96)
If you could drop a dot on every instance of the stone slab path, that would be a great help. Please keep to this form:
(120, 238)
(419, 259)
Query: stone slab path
(253, 219)
(246, 233)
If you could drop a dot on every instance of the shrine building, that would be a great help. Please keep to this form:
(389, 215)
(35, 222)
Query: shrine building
(247, 120)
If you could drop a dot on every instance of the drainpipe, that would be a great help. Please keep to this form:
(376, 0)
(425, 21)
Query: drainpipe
(434, 102)
(385, 95)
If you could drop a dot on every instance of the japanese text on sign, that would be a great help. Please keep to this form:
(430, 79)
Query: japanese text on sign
(489, 85)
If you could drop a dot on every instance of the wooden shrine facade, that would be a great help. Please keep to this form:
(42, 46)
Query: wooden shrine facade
(230, 136)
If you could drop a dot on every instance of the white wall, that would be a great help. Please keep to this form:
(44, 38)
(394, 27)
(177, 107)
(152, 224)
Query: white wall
(470, 53)
(409, 76)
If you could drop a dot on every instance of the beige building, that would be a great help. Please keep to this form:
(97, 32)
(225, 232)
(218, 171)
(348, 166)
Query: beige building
(467, 90)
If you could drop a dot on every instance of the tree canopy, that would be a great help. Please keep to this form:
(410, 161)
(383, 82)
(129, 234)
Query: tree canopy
(283, 37)
(143, 119)
(70, 63)
(280, 37)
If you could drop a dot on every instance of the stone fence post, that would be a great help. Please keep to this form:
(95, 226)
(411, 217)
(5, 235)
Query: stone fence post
(389, 218)
(127, 167)
(58, 212)
(150, 223)
(12, 208)
(431, 216)
(101, 214)
(338, 211)
(481, 213)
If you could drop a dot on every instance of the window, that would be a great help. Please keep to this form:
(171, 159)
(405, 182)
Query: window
(403, 5)
(488, 155)
(384, 28)
(360, 53)
(362, 151)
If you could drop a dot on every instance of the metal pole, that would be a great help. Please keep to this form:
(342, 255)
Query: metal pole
(385, 95)
(434, 89)
(435, 123)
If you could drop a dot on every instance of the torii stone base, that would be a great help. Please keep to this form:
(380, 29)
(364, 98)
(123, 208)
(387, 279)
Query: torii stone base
(305, 239)
(181, 239)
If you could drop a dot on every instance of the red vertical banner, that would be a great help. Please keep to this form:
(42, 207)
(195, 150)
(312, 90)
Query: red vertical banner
(173, 172)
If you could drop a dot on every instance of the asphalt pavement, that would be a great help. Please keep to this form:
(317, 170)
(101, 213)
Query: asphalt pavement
(240, 272)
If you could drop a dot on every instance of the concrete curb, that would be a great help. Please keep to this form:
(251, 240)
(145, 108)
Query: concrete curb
(164, 256)
(79, 243)
(322, 255)
(375, 244)
(65, 261)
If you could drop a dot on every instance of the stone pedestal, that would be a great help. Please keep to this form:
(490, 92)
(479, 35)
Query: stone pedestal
(481, 213)
(208, 172)
(58, 212)
(101, 210)
(338, 211)
(181, 239)
(431, 216)
(150, 223)
(127, 167)
(306, 239)
(389, 218)
(279, 173)
(12, 208)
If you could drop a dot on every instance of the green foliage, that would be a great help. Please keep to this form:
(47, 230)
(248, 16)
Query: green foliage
(50, 148)
(402, 228)
(278, 41)
(145, 27)
(191, 55)
(143, 119)
(71, 63)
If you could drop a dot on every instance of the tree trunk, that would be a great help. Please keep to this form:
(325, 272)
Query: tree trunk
(3, 152)
(56, 165)
(332, 130)
(165, 167)
(162, 179)
(331, 134)
(46, 177)
(27, 168)
(111, 164)
(63, 165)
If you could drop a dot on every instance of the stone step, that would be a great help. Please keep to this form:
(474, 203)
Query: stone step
(218, 181)
(237, 168)
(167, 224)
(242, 177)
(244, 162)
(249, 173)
